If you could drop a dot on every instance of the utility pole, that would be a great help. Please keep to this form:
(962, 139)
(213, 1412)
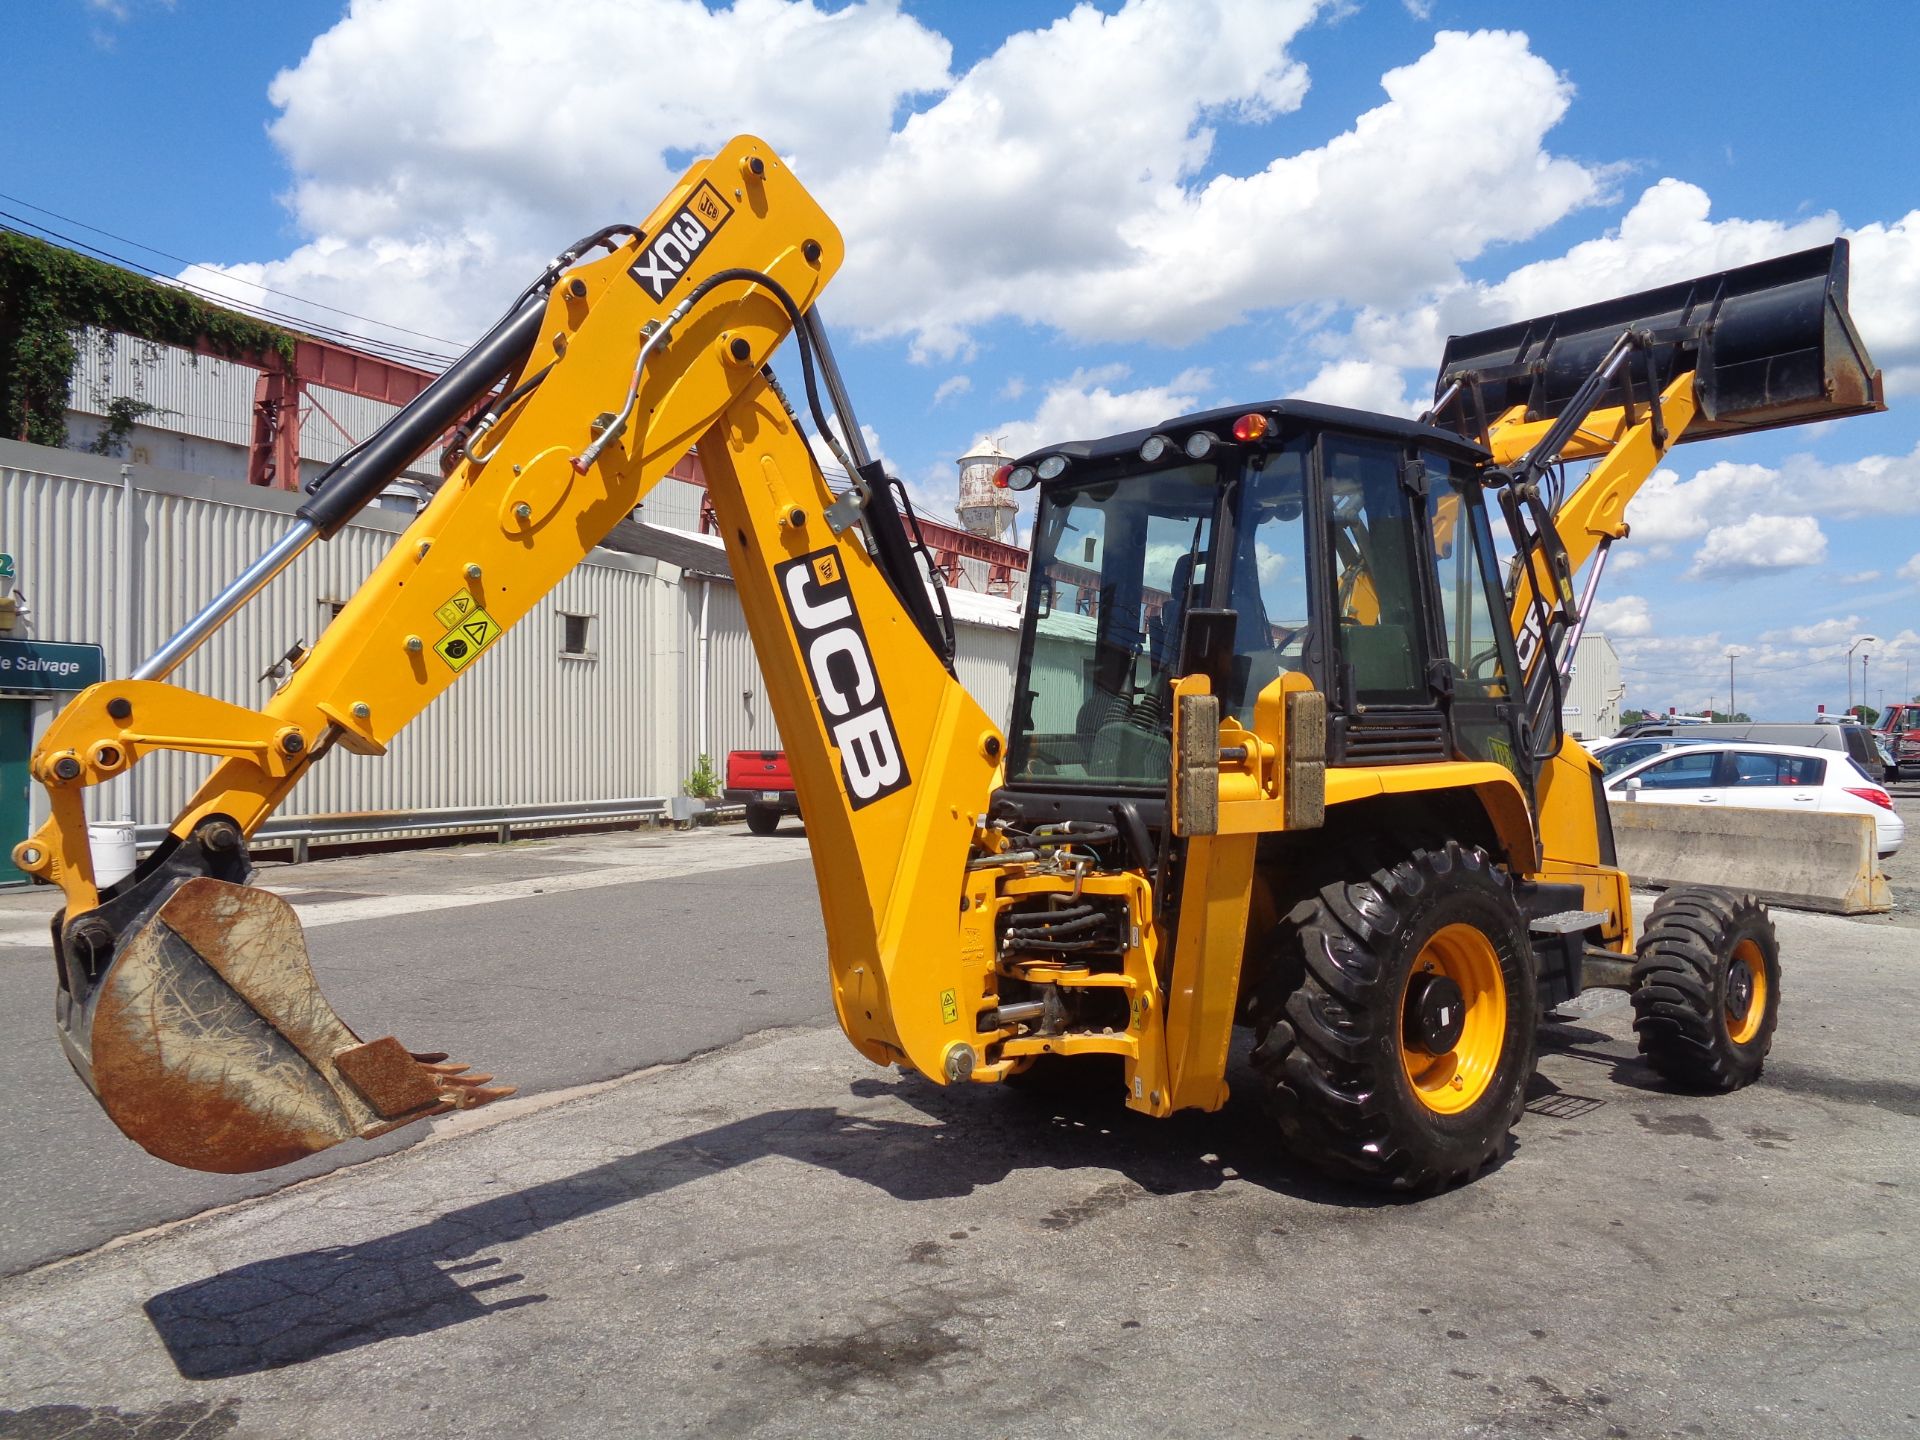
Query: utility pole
(1732, 704)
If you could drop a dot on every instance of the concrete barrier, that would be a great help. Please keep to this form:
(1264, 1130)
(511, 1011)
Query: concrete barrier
(1806, 861)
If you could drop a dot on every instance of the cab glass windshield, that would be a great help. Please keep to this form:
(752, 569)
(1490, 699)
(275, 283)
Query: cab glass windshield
(1118, 562)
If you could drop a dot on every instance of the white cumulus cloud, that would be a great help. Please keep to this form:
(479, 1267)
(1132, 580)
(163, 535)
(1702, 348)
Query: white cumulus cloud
(1085, 406)
(1623, 617)
(1759, 545)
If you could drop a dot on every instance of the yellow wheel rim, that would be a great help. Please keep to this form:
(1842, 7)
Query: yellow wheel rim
(1453, 1081)
(1746, 1000)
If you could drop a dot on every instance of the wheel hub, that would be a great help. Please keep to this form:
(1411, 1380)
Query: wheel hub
(1436, 1014)
(1739, 989)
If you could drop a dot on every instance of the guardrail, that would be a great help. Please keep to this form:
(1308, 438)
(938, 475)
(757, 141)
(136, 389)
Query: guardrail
(299, 832)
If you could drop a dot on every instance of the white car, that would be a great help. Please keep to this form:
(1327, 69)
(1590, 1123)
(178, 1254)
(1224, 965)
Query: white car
(1762, 777)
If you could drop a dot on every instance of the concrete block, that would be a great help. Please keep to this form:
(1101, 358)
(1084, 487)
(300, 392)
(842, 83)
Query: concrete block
(1807, 861)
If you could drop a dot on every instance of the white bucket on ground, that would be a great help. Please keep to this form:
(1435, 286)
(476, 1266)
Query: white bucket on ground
(113, 853)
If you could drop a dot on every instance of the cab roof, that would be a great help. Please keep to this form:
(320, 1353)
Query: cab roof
(1286, 415)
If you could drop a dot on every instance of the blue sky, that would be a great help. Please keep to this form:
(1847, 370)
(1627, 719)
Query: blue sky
(1071, 222)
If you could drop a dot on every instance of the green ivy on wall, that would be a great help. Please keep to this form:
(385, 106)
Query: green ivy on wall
(47, 293)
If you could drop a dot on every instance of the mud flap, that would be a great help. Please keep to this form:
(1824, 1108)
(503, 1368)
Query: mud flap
(208, 1043)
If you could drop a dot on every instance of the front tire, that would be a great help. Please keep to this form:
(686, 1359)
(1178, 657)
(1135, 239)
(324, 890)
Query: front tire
(1706, 988)
(762, 820)
(1395, 1024)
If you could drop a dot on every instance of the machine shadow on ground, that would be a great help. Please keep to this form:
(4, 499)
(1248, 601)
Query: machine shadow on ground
(294, 1308)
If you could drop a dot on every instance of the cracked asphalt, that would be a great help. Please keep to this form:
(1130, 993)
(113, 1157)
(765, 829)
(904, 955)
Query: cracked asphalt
(775, 1238)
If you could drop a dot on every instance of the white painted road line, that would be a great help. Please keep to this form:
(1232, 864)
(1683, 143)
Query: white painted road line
(635, 868)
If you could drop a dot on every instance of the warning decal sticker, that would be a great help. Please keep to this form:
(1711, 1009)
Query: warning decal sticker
(451, 613)
(467, 639)
(949, 1007)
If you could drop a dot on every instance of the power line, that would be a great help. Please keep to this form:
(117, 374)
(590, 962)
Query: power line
(196, 265)
(406, 354)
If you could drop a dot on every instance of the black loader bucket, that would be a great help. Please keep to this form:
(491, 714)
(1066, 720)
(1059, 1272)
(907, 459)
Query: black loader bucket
(207, 1041)
(1771, 344)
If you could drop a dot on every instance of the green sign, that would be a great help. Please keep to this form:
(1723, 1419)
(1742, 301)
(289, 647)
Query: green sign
(6, 567)
(41, 666)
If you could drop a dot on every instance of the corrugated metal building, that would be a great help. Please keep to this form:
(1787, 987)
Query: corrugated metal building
(1594, 689)
(202, 422)
(123, 555)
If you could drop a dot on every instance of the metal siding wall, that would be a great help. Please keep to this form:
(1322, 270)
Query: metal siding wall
(199, 395)
(359, 417)
(672, 503)
(984, 658)
(537, 727)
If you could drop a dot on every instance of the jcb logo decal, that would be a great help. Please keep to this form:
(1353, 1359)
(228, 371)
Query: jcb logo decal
(846, 688)
(662, 263)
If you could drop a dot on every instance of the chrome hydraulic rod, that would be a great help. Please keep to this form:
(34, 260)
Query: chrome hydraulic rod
(1586, 606)
(164, 661)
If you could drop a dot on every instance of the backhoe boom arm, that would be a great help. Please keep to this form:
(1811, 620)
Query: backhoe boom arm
(609, 369)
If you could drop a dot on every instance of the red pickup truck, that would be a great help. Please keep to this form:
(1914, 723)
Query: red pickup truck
(1899, 726)
(760, 780)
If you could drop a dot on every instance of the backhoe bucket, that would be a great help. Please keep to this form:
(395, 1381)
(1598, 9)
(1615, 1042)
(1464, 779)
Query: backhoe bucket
(207, 1041)
(1771, 344)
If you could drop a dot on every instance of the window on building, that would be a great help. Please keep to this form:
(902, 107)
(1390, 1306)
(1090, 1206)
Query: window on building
(576, 635)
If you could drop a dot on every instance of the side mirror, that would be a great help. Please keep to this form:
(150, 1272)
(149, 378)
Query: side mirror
(1632, 787)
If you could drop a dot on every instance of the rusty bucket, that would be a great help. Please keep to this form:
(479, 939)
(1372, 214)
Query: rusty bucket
(207, 1041)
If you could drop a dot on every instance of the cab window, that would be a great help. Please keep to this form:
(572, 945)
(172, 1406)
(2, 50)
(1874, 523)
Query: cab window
(1369, 537)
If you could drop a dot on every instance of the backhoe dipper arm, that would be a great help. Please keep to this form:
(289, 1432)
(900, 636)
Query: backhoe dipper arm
(186, 1000)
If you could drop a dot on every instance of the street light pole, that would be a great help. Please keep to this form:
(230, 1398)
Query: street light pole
(1859, 640)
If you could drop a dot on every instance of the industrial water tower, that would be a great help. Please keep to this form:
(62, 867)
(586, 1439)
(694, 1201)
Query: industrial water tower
(984, 509)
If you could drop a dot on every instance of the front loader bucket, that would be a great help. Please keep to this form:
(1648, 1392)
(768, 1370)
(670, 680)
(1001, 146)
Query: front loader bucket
(207, 1041)
(1771, 344)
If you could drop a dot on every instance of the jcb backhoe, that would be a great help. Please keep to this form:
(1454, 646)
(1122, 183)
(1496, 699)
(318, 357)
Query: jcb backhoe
(1286, 747)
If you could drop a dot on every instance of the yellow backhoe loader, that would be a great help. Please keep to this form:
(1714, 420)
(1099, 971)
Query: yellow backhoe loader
(1286, 748)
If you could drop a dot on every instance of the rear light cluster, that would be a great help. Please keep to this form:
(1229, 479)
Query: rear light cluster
(1873, 795)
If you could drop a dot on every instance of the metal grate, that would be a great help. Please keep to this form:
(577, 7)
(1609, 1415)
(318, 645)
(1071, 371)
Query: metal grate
(1404, 737)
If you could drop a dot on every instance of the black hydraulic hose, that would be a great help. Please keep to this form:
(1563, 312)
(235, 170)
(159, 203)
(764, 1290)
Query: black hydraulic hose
(363, 472)
(892, 540)
(346, 486)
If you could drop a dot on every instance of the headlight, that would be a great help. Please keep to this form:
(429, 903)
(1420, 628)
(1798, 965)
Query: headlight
(1200, 444)
(1155, 448)
(1051, 468)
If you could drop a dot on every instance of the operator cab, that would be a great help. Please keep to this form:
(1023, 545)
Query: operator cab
(1350, 547)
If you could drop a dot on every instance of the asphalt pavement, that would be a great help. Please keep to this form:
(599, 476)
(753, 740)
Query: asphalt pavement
(550, 963)
(776, 1238)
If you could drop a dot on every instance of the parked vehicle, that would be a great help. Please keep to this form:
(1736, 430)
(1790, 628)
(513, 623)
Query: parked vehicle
(1659, 725)
(1899, 726)
(1617, 754)
(1848, 738)
(761, 781)
(1762, 777)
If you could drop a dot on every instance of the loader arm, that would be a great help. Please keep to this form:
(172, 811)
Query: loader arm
(1621, 382)
(186, 1001)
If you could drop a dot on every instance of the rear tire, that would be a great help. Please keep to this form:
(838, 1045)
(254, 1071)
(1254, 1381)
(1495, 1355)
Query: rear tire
(1706, 988)
(761, 820)
(1373, 1069)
